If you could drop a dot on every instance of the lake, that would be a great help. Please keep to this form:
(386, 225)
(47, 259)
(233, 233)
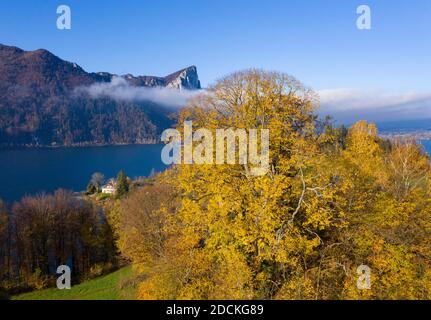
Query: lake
(427, 145)
(30, 171)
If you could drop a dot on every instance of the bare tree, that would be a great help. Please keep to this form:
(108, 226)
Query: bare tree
(97, 180)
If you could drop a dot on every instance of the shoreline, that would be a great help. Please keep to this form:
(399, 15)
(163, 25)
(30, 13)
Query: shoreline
(98, 145)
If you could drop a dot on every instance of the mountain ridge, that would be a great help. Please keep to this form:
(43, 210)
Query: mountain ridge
(37, 108)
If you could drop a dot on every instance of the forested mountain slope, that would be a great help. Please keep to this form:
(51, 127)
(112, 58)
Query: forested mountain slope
(40, 103)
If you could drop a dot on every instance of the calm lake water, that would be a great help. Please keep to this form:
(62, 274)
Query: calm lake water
(30, 171)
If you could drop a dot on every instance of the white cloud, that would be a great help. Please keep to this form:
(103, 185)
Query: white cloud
(348, 105)
(120, 89)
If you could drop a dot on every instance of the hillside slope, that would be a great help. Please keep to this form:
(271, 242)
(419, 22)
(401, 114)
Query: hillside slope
(119, 285)
(39, 104)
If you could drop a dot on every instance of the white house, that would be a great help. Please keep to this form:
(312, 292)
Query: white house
(110, 187)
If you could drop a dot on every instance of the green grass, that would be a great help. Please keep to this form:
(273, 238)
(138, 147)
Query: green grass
(119, 285)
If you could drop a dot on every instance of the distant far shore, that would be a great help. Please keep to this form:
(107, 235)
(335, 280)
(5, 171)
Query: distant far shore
(75, 145)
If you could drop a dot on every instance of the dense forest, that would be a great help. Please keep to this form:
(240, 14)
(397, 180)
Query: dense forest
(80, 121)
(40, 233)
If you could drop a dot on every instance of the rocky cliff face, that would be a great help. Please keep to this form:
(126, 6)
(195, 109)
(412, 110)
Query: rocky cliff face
(37, 107)
(184, 79)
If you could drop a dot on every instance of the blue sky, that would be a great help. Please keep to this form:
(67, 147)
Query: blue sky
(315, 40)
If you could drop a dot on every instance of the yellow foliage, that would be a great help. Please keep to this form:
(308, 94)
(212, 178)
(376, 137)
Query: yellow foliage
(327, 205)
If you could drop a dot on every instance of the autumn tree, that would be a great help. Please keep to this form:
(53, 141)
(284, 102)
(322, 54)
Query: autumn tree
(96, 182)
(5, 242)
(142, 228)
(387, 211)
(240, 235)
(46, 231)
(332, 199)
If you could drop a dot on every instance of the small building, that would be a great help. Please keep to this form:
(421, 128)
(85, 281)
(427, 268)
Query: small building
(110, 187)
